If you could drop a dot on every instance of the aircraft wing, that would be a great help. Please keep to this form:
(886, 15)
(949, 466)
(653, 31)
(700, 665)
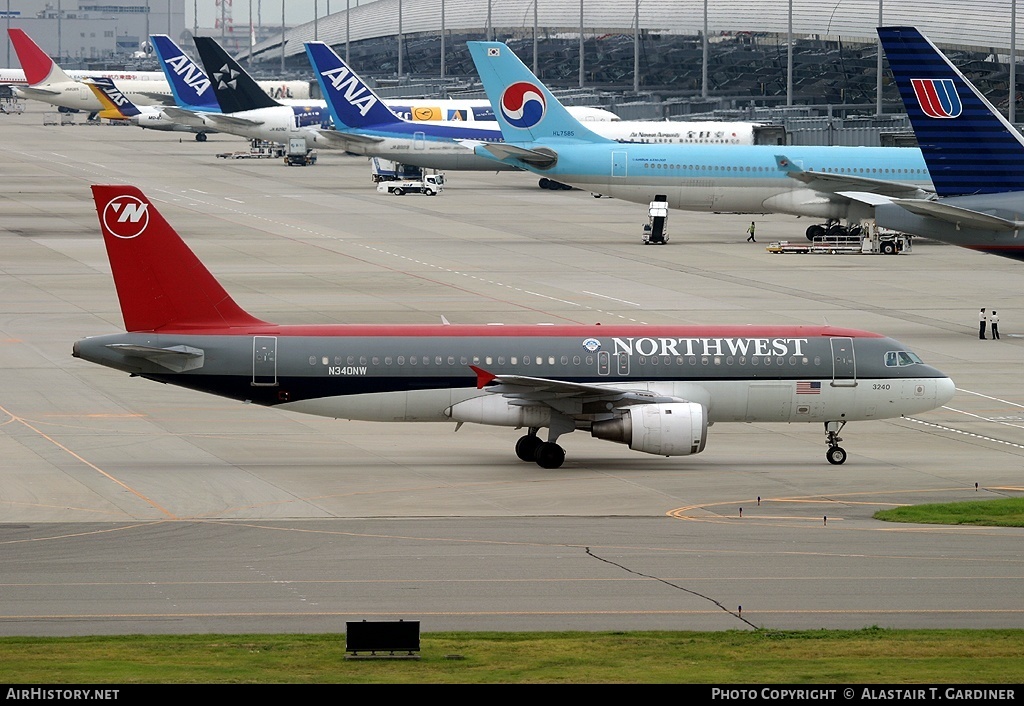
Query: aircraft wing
(343, 140)
(957, 214)
(828, 182)
(503, 150)
(559, 394)
(176, 358)
(230, 121)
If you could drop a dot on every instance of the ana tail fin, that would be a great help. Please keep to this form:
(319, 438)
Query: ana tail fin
(190, 85)
(236, 90)
(39, 68)
(160, 282)
(523, 106)
(353, 103)
(969, 147)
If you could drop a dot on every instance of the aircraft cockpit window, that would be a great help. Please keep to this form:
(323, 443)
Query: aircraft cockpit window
(896, 359)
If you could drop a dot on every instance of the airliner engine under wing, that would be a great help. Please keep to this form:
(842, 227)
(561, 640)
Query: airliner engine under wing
(975, 156)
(655, 388)
(835, 183)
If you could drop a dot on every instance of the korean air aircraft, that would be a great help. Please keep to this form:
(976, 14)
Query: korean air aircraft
(377, 131)
(975, 156)
(656, 389)
(834, 183)
(117, 106)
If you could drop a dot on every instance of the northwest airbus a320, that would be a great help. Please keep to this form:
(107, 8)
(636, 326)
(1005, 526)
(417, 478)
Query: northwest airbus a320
(656, 389)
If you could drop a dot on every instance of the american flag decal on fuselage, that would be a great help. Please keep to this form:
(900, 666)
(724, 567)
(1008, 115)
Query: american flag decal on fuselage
(804, 387)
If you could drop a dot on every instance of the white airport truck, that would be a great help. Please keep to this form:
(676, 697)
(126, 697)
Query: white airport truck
(429, 185)
(874, 242)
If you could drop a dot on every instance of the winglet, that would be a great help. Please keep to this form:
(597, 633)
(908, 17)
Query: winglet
(482, 376)
(160, 282)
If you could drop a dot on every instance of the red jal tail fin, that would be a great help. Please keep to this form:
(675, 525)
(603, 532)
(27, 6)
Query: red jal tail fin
(37, 64)
(160, 281)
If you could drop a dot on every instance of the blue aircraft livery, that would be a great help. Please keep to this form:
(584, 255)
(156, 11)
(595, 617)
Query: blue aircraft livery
(969, 147)
(189, 83)
(354, 105)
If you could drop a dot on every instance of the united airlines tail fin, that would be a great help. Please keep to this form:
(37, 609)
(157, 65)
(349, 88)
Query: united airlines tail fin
(160, 282)
(235, 89)
(190, 85)
(524, 107)
(353, 103)
(969, 147)
(115, 103)
(39, 68)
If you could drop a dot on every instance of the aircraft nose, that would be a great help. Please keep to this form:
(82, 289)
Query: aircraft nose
(944, 390)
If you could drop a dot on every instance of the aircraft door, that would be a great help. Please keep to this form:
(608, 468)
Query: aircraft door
(844, 366)
(623, 364)
(603, 362)
(264, 361)
(419, 140)
(619, 161)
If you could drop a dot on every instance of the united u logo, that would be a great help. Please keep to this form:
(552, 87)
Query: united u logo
(937, 97)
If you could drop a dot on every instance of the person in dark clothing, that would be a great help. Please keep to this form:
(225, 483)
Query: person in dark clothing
(982, 320)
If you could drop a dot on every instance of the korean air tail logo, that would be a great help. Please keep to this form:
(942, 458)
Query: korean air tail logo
(937, 97)
(523, 105)
(126, 217)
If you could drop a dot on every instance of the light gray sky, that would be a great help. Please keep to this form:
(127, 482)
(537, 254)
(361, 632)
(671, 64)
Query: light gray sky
(296, 11)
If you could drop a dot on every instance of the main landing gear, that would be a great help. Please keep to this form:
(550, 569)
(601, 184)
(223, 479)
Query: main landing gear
(836, 454)
(546, 454)
(200, 137)
(553, 185)
(833, 228)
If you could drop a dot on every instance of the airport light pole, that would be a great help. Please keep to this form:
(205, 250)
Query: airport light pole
(878, 69)
(789, 57)
(1013, 61)
(581, 43)
(704, 55)
(534, 37)
(636, 46)
(442, 39)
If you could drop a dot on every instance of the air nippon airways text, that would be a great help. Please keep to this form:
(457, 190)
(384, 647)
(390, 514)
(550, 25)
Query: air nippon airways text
(709, 346)
(353, 91)
(36, 693)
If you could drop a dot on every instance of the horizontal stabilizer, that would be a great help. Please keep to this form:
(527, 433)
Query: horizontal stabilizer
(159, 98)
(229, 121)
(339, 138)
(176, 358)
(944, 211)
(502, 150)
(42, 93)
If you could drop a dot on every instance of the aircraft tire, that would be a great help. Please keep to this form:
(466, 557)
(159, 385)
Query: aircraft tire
(814, 231)
(544, 183)
(200, 137)
(549, 455)
(836, 455)
(526, 447)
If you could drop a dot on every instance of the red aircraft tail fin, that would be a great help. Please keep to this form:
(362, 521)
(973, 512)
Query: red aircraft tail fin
(160, 282)
(37, 65)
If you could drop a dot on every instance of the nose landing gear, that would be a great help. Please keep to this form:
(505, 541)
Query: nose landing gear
(836, 454)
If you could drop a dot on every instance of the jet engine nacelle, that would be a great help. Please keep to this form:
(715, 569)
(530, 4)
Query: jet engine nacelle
(673, 429)
(495, 410)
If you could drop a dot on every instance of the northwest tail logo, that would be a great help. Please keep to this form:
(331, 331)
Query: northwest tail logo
(937, 97)
(523, 105)
(126, 216)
